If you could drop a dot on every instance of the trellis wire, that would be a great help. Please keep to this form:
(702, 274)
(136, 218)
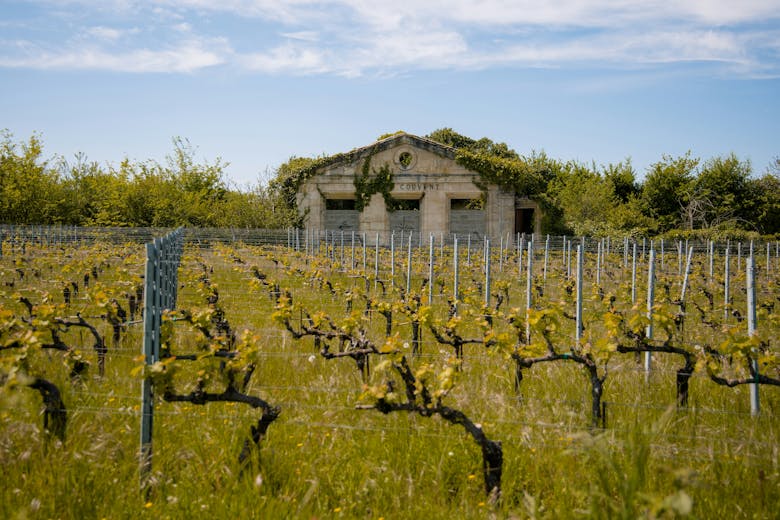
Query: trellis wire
(312, 240)
(295, 242)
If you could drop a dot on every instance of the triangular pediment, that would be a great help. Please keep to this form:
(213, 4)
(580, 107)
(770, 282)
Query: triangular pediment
(404, 153)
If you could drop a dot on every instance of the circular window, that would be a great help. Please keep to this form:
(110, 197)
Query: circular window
(405, 159)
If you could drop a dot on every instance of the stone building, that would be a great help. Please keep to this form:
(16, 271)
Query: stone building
(429, 192)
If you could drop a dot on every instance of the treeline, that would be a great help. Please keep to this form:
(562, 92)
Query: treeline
(717, 198)
(180, 192)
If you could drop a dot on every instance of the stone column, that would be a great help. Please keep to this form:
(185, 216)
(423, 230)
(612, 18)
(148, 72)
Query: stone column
(435, 213)
(374, 218)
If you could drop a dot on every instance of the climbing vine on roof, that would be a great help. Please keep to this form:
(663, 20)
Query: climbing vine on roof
(292, 174)
(495, 163)
(509, 174)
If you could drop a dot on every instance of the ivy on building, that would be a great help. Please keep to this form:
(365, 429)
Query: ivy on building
(370, 181)
(509, 174)
(513, 175)
(296, 171)
(489, 160)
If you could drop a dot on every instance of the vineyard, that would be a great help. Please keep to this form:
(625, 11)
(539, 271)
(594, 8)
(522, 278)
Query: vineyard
(338, 376)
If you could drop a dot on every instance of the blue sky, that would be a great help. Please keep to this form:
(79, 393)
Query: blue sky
(254, 82)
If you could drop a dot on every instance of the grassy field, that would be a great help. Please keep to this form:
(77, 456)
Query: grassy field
(323, 458)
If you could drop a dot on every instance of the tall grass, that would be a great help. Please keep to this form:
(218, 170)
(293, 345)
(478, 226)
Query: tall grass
(323, 458)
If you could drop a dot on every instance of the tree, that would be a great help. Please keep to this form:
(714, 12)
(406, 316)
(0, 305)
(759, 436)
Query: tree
(146, 187)
(283, 188)
(202, 186)
(254, 206)
(93, 196)
(765, 192)
(665, 189)
(623, 180)
(721, 192)
(548, 169)
(627, 218)
(29, 190)
(585, 199)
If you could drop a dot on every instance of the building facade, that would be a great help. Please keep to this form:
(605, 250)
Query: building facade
(430, 194)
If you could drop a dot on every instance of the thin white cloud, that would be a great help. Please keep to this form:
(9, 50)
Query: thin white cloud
(722, 12)
(183, 27)
(637, 50)
(665, 47)
(307, 36)
(356, 37)
(565, 13)
(434, 49)
(287, 59)
(104, 33)
(287, 11)
(186, 57)
(551, 12)
(411, 49)
(118, 7)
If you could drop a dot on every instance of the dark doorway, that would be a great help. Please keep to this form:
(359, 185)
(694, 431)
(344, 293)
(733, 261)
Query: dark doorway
(524, 220)
(340, 204)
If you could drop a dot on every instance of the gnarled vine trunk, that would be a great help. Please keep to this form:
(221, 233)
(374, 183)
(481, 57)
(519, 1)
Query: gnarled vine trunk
(596, 392)
(55, 415)
(683, 378)
(258, 433)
